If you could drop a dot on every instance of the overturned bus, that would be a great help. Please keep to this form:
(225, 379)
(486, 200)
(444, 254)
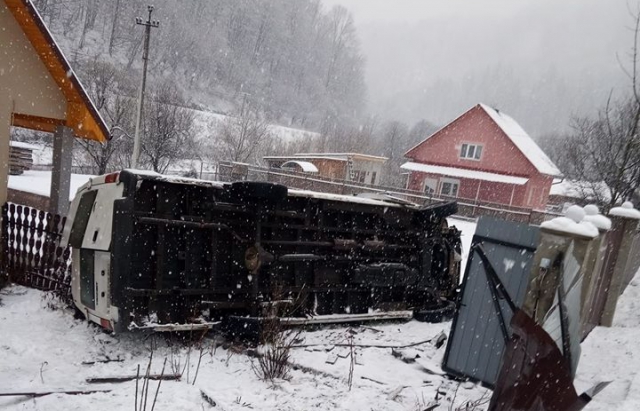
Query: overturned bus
(149, 249)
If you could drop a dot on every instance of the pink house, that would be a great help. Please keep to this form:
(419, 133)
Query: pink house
(483, 155)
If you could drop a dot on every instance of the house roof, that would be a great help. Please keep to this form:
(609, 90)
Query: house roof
(82, 116)
(329, 156)
(518, 137)
(309, 157)
(464, 173)
(306, 166)
(523, 141)
(344, 156)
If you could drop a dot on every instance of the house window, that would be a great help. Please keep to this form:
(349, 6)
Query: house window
(449, 187)
(471, 151)
(373, 177)
(430, 186)
(532, 195)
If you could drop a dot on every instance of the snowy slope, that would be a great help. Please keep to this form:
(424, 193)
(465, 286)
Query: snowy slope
(207, 124)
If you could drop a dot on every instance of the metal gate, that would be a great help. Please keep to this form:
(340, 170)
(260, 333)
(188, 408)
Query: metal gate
(499, 263)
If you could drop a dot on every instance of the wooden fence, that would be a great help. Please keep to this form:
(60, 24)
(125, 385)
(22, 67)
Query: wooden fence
(31, 253)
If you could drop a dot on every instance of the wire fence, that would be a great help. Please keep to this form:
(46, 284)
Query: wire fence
(229, 171)
(226, 171)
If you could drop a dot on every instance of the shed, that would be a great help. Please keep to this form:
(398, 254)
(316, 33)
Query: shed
(362, 168)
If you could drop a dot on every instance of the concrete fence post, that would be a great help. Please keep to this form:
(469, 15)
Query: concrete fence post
(61, 172)
(566, 244)
(594, 283)
(625, 221)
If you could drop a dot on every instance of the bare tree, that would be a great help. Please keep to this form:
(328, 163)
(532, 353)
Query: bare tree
(90, 10)
(607, 148)
(341, 30)
(296, 58)
(102, 85)
(242, 136)
(168, 131)
(553, 145)
(393, 141)
(114, 23)
(420, 131)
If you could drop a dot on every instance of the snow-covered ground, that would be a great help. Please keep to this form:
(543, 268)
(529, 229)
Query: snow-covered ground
(613, 354)
(207, 124)
(39, 182)
(45, 350)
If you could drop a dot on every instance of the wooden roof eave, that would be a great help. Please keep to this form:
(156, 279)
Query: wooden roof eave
(82, 116)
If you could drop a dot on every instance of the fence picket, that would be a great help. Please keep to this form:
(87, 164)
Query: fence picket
(33, 255)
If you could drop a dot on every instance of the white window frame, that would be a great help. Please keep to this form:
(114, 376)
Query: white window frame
(430, 184)
(452, 182)
(532, 194)
(466, 148)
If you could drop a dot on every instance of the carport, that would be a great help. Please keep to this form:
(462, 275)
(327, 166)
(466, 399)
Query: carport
(40, 91)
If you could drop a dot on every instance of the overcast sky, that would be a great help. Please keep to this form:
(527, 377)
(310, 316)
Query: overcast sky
(544, 60)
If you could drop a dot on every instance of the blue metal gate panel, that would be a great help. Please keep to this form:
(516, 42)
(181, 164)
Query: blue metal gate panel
(476, 342)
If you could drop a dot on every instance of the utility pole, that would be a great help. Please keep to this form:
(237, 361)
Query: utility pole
(145, 58)
(113, 27)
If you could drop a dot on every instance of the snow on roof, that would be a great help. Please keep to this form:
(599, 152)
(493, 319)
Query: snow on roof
(464, 173)
(306, 166)
(309, 157)
(523, 141)
(26, 146)
(344, 155)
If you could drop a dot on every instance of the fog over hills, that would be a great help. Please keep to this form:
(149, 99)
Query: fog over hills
(542, 61)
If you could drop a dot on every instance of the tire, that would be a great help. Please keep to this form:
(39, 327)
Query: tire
(438, 314)
(77, 314)
(255, 191)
